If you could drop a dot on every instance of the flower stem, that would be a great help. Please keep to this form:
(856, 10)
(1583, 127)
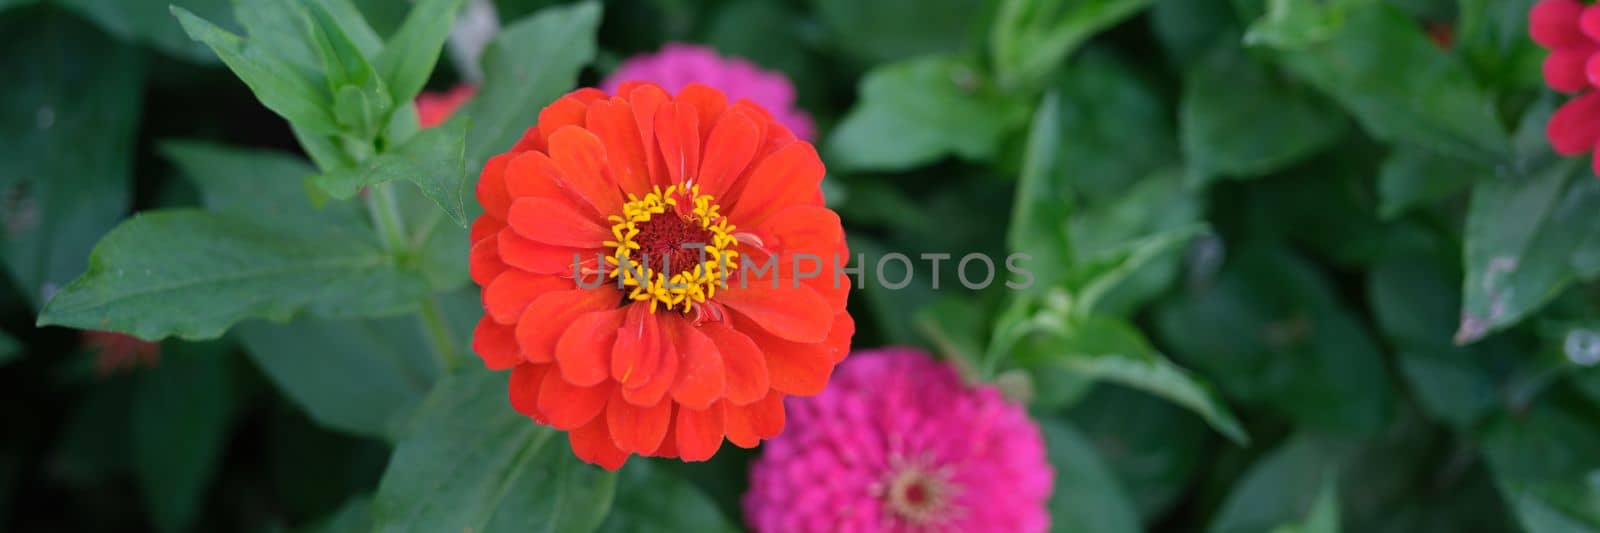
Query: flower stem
(386, 217)
(438, 333)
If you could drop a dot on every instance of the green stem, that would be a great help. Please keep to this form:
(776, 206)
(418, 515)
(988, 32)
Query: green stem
(386, 217)
(444, 344)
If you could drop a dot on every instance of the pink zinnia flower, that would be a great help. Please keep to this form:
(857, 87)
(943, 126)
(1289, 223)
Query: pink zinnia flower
(433, 108)
(896, 443)
(1571, 31)
(678, 64)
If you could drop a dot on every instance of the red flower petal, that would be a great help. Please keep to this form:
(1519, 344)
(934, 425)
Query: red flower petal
(485, 227)
(701, 377)
(545, 319)
(657, 383)
(802, 369)
(509, 294)
(747, 425)
(699, 433)
(496, 344)
(534, 174)
(613, 122)
(637, 429)
(1554, 23)
(526, 379)
(483, 261)
(492, 192)
(1592, 69)
(729, 149)
(796, 313)
(1575, 127)
(678, 134)
(569, 110)
(592, 444)
(584, 352)
(792, 175)
(569, 406)
(708, 103)
(647, 101)
(540, 258)
(555, 222)
(582, 159)
(745, 365)
(1565, 69)
(638, 348)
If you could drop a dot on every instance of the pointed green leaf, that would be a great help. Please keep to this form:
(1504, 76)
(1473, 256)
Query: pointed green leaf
(1043, 202)
(408, 58)
(1032, 37)
(280, 85)
(917, 111)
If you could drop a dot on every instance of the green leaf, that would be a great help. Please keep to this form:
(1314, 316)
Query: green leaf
(1281, 487)
(1492, 35)
(1096, 276)
(192, 274)
(1188, 30)
(1271, 333)
(10, 349)
(650, 499)
(1121, 128)
(278, 80)
(361, 100)
(471, 462)
(147, 23)
(1240, 119)
(882, 31)
(1112, 350)
(312, 361)
(917, 111)
(1544, 463)
(561, 41)
(70, 115)
(255, 184)
(1376, 61)
(355, 516)
(1525, 241)
(1154, 447)
(181, 415)
(1149, 209)
(408, 59)
(432, 159)
(956, 327)
(1032, 37)
(1043, 202)
(1324, 514)
(1087, 497)
(1414, 177)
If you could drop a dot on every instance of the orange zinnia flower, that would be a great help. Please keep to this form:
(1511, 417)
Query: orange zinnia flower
(614, 256)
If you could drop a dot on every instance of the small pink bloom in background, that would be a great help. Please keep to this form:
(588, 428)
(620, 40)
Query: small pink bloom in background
(115, 352)
(678, 64)
(433, 108)
(1571, 31)
(898, 442)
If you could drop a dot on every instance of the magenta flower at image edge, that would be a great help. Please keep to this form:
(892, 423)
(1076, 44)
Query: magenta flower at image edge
(1571, 31)
(679, 64)
(898, 441)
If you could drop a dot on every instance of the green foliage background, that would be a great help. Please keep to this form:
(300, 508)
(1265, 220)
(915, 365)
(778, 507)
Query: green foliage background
(1301, 265)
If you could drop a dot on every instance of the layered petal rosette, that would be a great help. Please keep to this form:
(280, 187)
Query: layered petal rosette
(659, 272)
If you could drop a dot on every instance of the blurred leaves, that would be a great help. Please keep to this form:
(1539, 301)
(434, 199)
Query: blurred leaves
(69, 117)
(469, 462)
(1087, 496)
(516, 88)
(1271, 332)
(1240, 119)
(892, 30)
(1030, 38)
(650, 499)
(182, 411)
(139, 22)
(1379, 65)
(917, 111)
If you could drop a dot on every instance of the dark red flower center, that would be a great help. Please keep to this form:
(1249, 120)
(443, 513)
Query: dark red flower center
(670, 244)
(917, 495)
